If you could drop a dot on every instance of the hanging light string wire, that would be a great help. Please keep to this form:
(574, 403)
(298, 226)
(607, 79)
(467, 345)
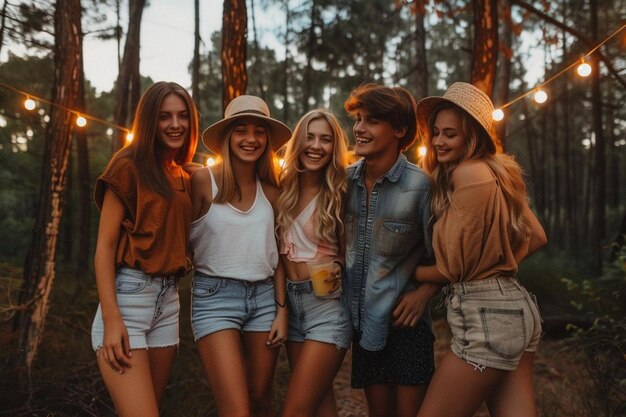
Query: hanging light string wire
(76, 112)
(124, 129)
(558, 74)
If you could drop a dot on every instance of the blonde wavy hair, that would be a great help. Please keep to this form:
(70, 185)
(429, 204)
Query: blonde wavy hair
(266, 170)
(328, 221)
(479, 146)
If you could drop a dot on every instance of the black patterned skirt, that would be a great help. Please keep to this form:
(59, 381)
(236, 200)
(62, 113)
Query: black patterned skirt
(407, 358)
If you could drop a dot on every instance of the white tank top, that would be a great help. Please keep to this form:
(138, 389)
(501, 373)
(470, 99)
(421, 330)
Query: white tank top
(231, 243)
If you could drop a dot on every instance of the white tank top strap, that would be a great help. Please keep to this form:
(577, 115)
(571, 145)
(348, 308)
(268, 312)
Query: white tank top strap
(231, 243)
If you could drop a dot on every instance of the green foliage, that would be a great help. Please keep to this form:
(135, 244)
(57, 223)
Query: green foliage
(543, 275)
(603, 344)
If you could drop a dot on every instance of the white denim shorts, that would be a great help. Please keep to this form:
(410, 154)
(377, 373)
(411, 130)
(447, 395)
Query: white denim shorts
(150, 309)
(493, 321)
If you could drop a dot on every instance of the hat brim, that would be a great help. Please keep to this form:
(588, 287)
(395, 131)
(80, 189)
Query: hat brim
(425, 108)
(213, 136)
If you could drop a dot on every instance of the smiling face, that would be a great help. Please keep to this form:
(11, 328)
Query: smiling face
(448, 139)
(318, 145)
(375, 137)
(248, 139)
(173, 122)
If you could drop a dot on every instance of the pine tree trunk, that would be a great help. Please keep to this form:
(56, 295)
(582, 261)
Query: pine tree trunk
(285, 85)
(84, 194)
(485, 44)
(599, 171)
(127, 86)
(195, 68)
(3, 23)
(257, 53)
(40, 264)
(421, 67)
(234, 48)
(311, 42)
(504, 69)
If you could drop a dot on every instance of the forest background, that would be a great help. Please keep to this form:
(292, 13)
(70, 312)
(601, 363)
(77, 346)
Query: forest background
(572, 148)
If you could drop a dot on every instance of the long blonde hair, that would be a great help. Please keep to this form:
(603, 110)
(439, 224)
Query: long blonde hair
(265, 168)
(479, 146)
(327, 222)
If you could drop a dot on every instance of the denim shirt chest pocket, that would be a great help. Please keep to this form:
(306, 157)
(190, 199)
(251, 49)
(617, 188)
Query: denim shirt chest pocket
(393, 236)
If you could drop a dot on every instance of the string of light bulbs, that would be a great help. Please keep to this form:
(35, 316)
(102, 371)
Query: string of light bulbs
(30, 104)
(540, 95)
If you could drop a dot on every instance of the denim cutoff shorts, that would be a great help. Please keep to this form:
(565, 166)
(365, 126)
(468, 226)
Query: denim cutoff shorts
(150, 309)
(320, 319)
(219, 303)
(493, 321)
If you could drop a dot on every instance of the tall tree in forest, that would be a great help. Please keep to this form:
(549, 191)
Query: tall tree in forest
(234, 49)
(286, 73)
(418, 9)
(311, 45)
(599, 157)
(485, 44)
(127, 86)
(257, 65)
(503, 80)
(3, 22)
(195, 65)
(39, 268)
(84, 191)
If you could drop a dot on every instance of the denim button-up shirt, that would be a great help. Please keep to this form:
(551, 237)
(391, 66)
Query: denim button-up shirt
(385, 241)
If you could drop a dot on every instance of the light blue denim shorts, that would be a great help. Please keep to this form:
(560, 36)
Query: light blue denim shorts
(150, 309)
(493, 322)
(219, 303)
(320, 319)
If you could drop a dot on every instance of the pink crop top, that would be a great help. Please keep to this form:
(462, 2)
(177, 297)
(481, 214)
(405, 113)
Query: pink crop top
(300, 244)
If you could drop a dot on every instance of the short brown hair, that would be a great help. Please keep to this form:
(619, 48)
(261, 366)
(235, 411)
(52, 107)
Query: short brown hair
(395, 105)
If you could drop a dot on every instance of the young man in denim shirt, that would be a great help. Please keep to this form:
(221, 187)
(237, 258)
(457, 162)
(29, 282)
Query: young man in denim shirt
(387, 236)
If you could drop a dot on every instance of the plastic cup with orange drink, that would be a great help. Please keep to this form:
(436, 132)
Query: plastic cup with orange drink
(321, 271)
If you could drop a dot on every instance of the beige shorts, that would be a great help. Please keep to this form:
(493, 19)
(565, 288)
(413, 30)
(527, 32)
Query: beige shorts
(493, 322)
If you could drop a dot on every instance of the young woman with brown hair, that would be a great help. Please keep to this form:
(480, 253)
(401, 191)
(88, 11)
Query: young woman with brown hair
(141, 251)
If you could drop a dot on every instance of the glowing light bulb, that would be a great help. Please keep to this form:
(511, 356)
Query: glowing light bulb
(110, 132)
(541, 96)
(129, 137)
(421, 151)
(210, 161)
(29, 104)
(281, 162)
(81, 121)
(497, 115)
(584, 69)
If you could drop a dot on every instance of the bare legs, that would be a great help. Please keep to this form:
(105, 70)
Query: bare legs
(139, 390)
(515, 395)
(458, 390)
(387, 400)
(314, 366)
(241, 387)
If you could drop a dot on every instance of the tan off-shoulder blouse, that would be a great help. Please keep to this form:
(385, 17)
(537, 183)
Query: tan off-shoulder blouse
(472, 238)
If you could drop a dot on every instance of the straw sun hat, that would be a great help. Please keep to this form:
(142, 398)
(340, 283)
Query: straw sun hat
(469, 98)
(245, 106)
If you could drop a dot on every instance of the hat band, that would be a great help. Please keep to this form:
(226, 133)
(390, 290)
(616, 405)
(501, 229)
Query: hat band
(249, 111)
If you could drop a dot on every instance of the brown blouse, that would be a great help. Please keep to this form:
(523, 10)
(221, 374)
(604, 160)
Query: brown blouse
(472, 240)
(155, 230)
